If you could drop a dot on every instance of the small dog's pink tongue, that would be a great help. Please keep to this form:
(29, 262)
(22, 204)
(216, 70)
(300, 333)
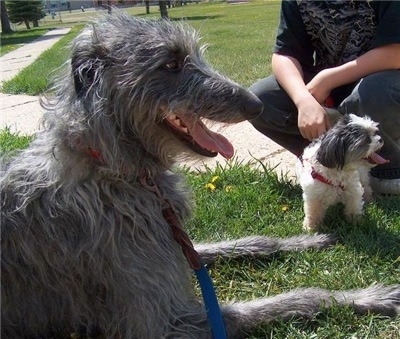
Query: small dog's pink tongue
(211, 140)
(377, 159)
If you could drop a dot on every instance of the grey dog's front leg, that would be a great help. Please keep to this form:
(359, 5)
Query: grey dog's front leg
(307, 302)
(260, 246)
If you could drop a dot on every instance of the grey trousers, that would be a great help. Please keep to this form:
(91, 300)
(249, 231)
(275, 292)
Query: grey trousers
(376, 95)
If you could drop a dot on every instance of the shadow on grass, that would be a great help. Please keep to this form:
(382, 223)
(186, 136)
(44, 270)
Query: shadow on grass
(370, 236)
(189, 18)
(198, 17)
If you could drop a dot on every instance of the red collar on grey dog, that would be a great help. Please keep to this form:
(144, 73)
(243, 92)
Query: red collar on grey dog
(94, 154)
(317, 176)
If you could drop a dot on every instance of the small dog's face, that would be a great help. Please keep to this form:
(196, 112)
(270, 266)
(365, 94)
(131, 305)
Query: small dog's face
(352, 139)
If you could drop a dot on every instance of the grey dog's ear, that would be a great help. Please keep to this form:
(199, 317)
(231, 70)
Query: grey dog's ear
(82, 76)
(333, 148)
(87, 65)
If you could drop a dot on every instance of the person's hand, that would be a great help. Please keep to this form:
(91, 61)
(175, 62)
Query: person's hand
(320, 86)
(313, 121)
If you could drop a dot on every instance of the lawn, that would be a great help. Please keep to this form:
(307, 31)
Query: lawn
(240, 39)
(253, 200)
(10, 42)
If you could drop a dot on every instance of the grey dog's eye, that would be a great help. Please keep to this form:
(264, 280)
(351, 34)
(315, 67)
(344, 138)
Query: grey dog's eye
(173, 65)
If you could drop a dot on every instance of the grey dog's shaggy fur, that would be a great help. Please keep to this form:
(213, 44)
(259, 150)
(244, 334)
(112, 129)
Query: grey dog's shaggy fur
(85, 246)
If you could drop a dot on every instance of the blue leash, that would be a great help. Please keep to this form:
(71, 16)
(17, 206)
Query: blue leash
(207, 289)
(195, 262)
(211, 303)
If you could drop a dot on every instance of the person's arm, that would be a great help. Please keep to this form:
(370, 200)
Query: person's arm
(378, 59)
(312, 118)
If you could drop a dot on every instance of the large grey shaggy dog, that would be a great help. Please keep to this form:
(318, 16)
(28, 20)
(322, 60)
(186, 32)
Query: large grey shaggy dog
(85, 244)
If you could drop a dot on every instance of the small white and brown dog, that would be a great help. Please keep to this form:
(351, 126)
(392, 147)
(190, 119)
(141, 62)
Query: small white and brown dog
(334, 168)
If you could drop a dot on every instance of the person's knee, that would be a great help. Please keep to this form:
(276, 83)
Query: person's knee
(265, 88)
(380, 92)
(279, 110)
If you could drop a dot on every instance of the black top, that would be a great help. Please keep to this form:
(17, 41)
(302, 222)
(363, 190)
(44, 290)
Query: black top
(321, 34)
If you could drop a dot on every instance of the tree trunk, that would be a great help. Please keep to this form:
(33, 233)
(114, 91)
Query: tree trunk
(147, 7)
(5, 22)
(163, 9)
(27, 24)
(35, 23)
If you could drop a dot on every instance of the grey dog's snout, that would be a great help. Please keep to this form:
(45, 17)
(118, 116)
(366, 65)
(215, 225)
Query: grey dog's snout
(253, 107)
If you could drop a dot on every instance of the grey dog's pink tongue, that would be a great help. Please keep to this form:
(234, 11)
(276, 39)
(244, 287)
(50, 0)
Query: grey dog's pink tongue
(207, 138)
(211, 140)
(377, 159)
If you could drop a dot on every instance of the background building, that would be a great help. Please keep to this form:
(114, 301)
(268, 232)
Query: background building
(65, 5)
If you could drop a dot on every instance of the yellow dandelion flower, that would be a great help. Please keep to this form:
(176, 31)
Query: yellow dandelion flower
(228, 188)
(285, 208)
(214, 179)
(210, 186)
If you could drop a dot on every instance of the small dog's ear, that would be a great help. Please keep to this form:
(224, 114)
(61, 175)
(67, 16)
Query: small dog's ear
(332, 150)
(87, 63)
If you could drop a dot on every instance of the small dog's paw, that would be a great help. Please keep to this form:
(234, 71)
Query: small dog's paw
(309, 226)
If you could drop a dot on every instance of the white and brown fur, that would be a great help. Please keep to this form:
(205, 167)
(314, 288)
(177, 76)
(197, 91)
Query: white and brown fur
(85, 245)
(335, 168)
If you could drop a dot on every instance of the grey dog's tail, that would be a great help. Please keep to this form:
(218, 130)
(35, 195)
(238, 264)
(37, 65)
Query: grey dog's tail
(307, 302)
(260, 246)
(302, 302)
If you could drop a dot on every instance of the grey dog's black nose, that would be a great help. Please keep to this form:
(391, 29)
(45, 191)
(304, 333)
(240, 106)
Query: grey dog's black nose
(253, 107)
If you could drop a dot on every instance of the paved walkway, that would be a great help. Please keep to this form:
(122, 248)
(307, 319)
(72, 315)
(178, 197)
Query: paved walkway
(11, 63)
(22, 114)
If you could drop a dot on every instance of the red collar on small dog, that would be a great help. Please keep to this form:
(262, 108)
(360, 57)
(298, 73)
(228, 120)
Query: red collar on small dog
(315, 175)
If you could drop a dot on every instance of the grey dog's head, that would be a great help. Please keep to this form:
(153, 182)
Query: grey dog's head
(352, 139)
(147, 83)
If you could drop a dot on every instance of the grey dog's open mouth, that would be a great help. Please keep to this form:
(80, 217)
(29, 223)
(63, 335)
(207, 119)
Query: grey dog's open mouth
(198, 137)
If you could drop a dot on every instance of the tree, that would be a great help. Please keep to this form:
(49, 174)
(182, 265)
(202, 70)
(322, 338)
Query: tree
(24, 11)
(163, 9)
(5, 22)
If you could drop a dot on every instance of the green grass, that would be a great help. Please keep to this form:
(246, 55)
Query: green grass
(240, 37)
(248, 200)
(11, 142)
